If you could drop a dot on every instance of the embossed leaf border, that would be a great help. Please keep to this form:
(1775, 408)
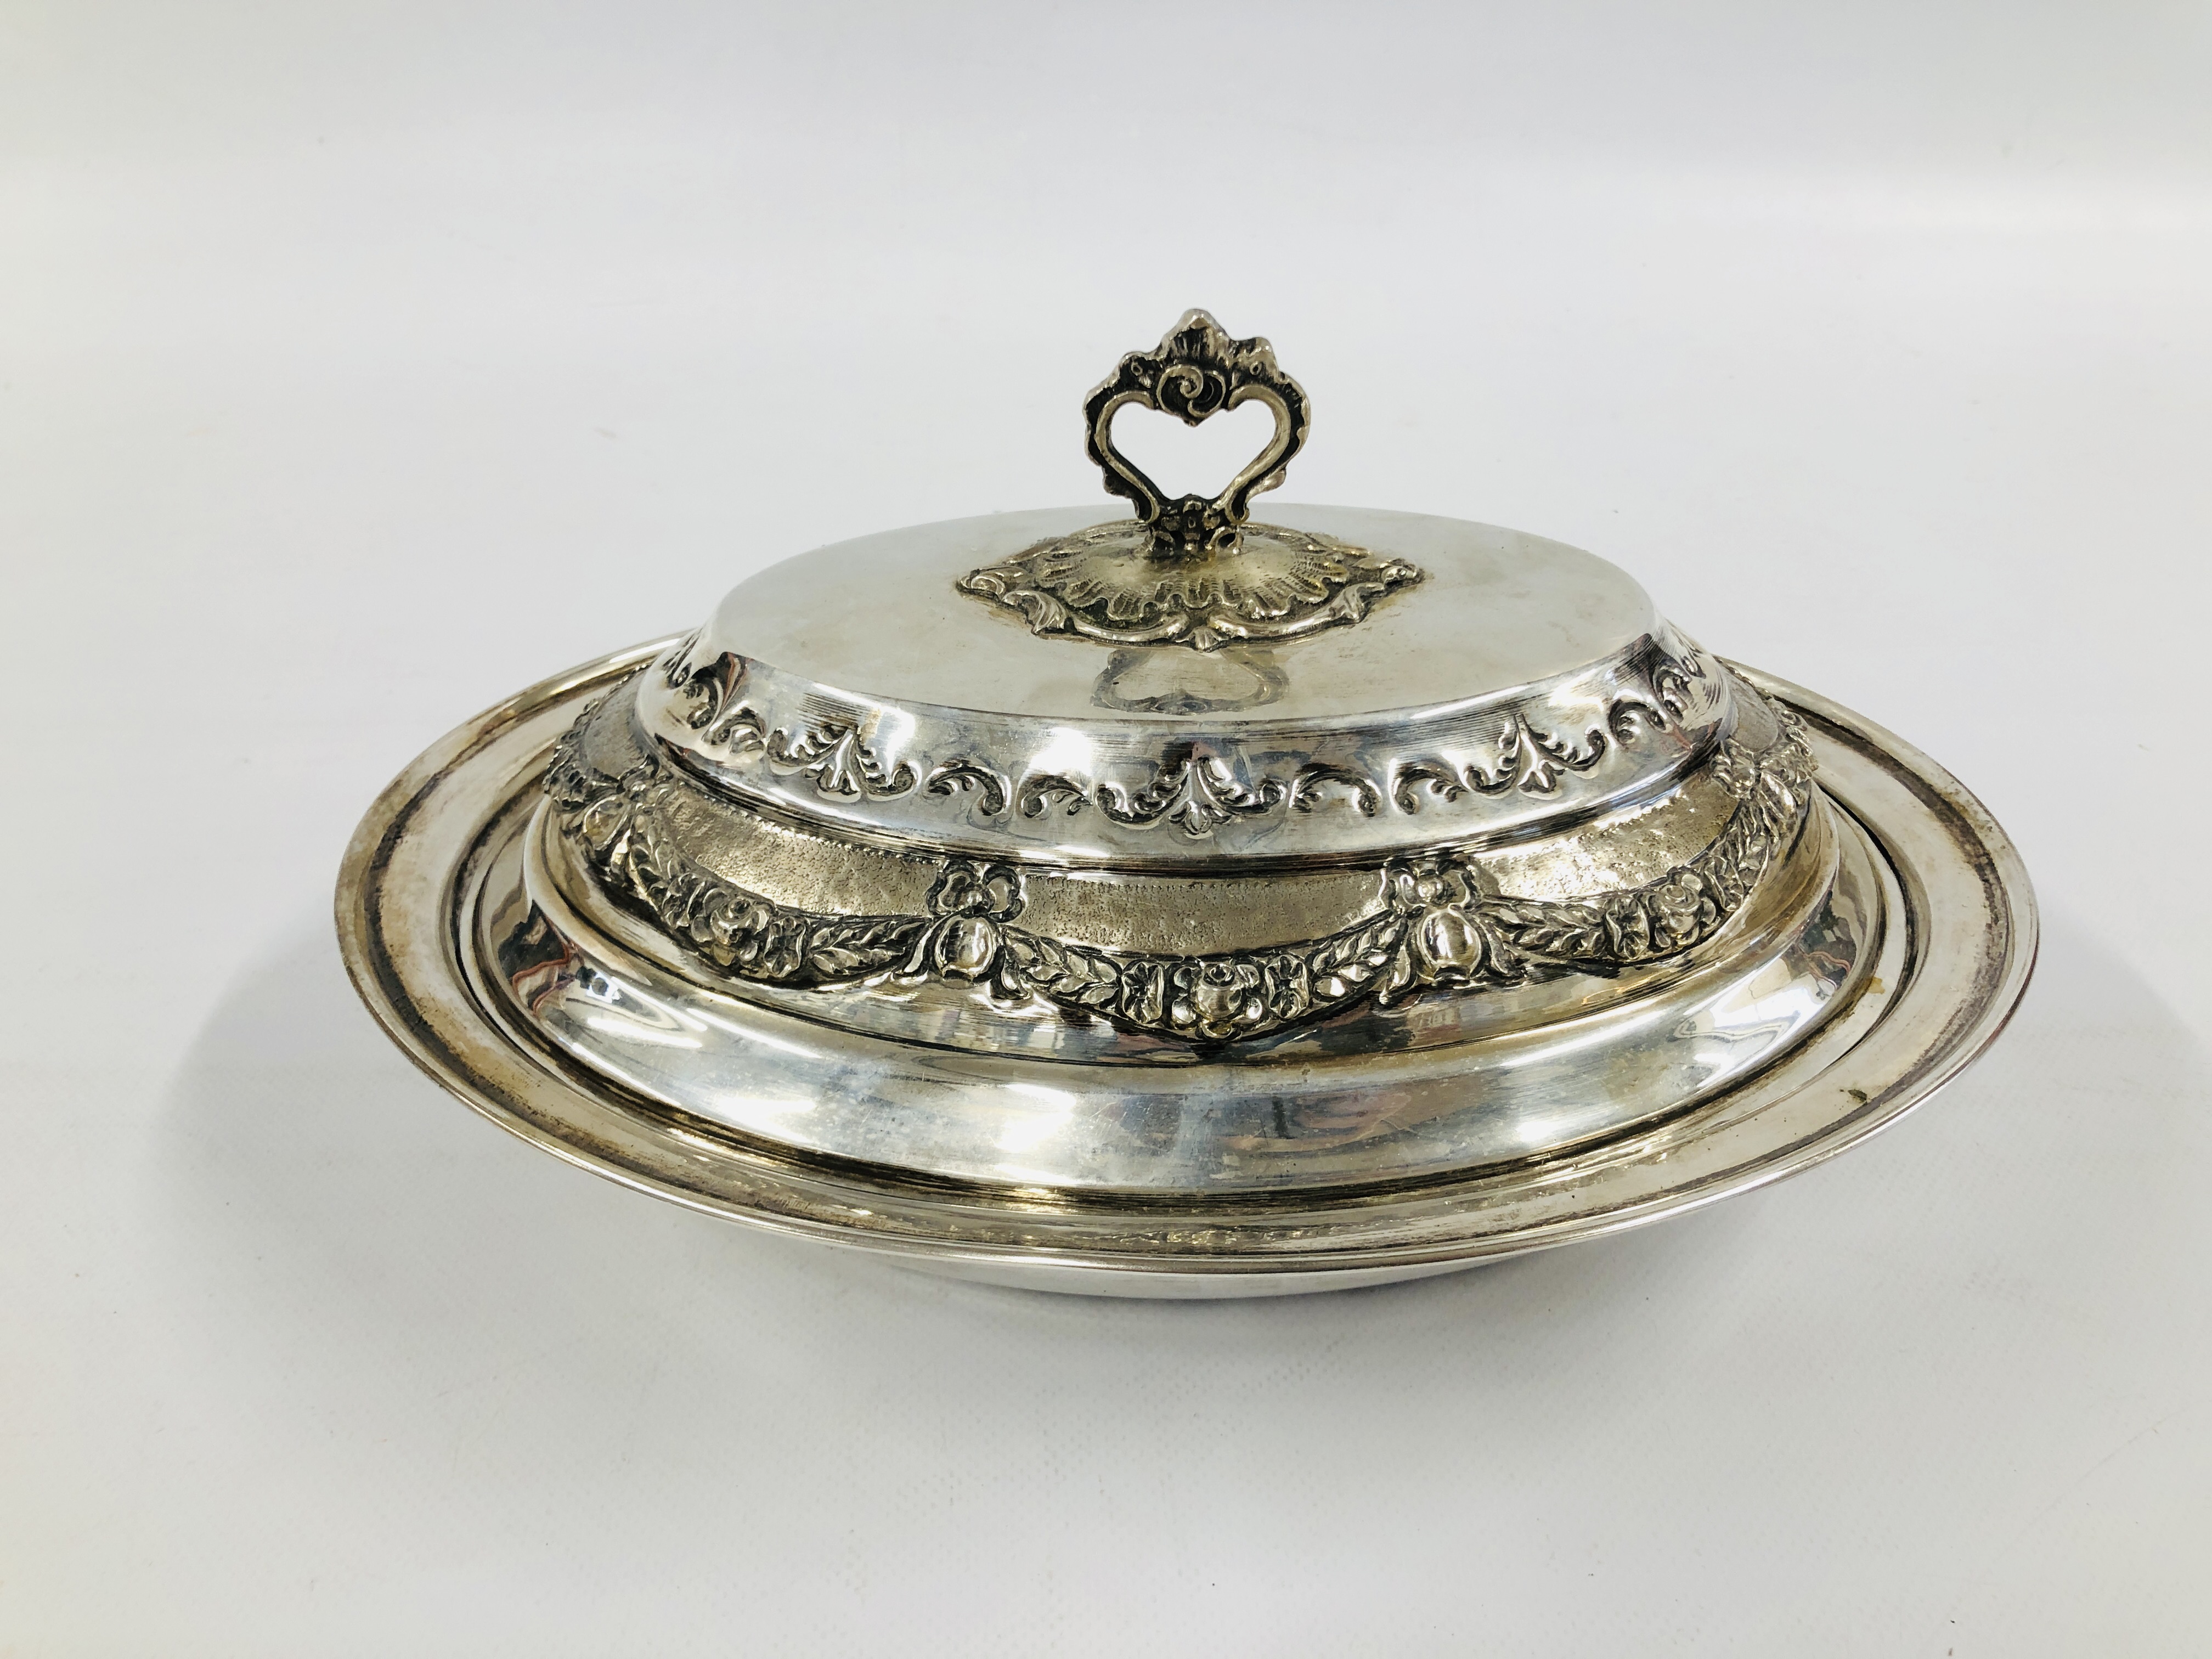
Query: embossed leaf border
(1437, 926)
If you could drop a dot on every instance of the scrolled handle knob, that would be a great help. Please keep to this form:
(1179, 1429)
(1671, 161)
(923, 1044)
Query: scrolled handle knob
(1196, 372)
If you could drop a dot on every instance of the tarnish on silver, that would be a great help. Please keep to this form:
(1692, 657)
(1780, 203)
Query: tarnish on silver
(1275, 584)
(1192, 571)
(1433, 923)
(1948, 934)
(1195, 372)
(1150, 789)
(1182, 905)
(1196, 791)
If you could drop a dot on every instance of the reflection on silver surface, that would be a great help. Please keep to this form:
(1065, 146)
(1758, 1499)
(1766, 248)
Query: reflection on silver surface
(1415, 893)
(1956, 942)
(1300, 1116)
(1231, 682)
(1372, 722)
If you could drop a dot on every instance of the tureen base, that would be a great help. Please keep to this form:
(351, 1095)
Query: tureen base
(430, 886)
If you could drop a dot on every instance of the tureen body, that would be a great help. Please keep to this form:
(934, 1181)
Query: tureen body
(1138, 864)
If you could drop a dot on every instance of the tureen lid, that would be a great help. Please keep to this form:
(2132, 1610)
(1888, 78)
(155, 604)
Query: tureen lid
(1174, 863)
(1186, 683)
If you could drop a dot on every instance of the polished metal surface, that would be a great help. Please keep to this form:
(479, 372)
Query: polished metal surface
(1943, 910)
(1193, 571)
(1522, 682)
(1138, 917)
(1406, 1093)
(884, 617)
(1184, 777)
(1229, 950)
(1196, 372)
(1183, 902)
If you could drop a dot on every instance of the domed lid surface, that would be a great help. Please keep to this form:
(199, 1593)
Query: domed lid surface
(895, 617)
(1185, 684)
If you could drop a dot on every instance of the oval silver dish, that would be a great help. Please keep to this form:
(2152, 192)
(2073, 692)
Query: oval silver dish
(434, 880)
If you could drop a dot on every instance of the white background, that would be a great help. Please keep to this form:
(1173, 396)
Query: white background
(361, 364)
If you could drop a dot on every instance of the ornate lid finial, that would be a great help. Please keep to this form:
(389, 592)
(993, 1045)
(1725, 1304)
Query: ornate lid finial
(1191, 571)
(1194, 373)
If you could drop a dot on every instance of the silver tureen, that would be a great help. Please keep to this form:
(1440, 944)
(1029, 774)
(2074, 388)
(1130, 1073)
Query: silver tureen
(1174, 903)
